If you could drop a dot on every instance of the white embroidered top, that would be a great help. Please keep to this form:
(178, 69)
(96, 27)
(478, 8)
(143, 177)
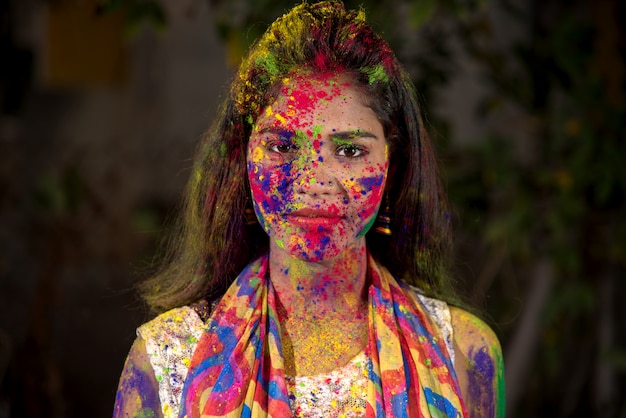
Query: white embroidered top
(340, 393)
(172, 337)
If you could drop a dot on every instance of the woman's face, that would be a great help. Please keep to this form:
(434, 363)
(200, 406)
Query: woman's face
(317, 165)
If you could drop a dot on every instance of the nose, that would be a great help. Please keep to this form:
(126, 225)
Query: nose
(316, 177)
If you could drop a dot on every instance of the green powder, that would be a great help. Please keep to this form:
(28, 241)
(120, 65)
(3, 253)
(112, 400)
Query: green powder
(268, 62)
(376, 74)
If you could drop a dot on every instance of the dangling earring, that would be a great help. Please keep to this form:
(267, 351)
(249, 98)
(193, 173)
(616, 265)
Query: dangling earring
(248, 213)
(383, 220)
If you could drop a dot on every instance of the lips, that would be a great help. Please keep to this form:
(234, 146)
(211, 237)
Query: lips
(314, 218)
(315, 213)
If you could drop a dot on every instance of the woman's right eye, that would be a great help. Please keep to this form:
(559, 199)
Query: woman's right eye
(282, 147)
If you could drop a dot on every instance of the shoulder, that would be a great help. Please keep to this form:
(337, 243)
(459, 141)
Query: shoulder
(175, 319)
(175, 324)
(478, 364)
(168, 343)
(171, 335)
(156, 366)
(472, 332)
(137, 393)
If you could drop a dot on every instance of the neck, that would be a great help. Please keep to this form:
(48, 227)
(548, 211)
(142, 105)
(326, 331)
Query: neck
(330, 288)
(322, 308)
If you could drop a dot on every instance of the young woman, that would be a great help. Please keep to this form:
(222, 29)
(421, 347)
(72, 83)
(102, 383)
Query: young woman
(330, 301)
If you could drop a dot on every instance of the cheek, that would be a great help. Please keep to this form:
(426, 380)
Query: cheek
(269, 186)
(367, 190)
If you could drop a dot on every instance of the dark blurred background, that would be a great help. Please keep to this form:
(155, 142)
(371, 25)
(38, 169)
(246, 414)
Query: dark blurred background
(102, 102)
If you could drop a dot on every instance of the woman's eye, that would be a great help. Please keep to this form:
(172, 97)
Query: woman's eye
(351, 151)
(282, 147)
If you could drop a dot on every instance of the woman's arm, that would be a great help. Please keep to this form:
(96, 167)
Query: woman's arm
(479, 365)
(138, 391)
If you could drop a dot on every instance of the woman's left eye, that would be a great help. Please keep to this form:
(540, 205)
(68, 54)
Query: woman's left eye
(351, 151)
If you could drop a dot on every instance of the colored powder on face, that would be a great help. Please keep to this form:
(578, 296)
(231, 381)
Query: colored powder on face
(370, 182)
(317, 147)
(339, 141)
(317, 131)
(272, 178)
(300, 139)
(301, 100)
(259, 216)
(280, 119)
(367, 227)
(257, 156)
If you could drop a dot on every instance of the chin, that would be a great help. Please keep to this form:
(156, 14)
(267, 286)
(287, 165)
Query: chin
(313, 254)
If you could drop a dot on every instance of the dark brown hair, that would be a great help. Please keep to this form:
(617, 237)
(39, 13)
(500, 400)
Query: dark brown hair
(213, 243)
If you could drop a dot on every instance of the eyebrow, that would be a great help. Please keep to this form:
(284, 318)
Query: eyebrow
(335, 136)
(350, 135)
(277, 131)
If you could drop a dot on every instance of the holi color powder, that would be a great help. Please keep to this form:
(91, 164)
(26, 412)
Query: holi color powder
(313, 150)
(481, 375)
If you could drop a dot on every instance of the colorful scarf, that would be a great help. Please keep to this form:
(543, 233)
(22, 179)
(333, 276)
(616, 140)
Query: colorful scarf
(237, 369)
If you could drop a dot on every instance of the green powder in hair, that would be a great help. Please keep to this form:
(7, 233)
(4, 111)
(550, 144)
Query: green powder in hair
(376, 74)
(268, 62)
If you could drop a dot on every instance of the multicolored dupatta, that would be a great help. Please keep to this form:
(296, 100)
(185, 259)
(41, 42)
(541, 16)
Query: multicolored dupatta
(237, 369)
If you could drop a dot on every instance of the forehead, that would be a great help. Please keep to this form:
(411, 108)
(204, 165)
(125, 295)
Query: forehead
(304, 90)
(302, 97)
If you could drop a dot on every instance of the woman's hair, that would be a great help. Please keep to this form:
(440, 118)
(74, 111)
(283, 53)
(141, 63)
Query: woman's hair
(213, 242)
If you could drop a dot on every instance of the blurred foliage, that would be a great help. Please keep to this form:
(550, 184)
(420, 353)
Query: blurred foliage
(544, 179)
(61, 196)
(550, 183)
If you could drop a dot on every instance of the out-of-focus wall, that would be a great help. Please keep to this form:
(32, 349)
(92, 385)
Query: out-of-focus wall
(91, 162)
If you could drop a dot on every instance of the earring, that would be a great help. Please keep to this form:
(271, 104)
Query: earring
(248, 214)
(383, 220)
